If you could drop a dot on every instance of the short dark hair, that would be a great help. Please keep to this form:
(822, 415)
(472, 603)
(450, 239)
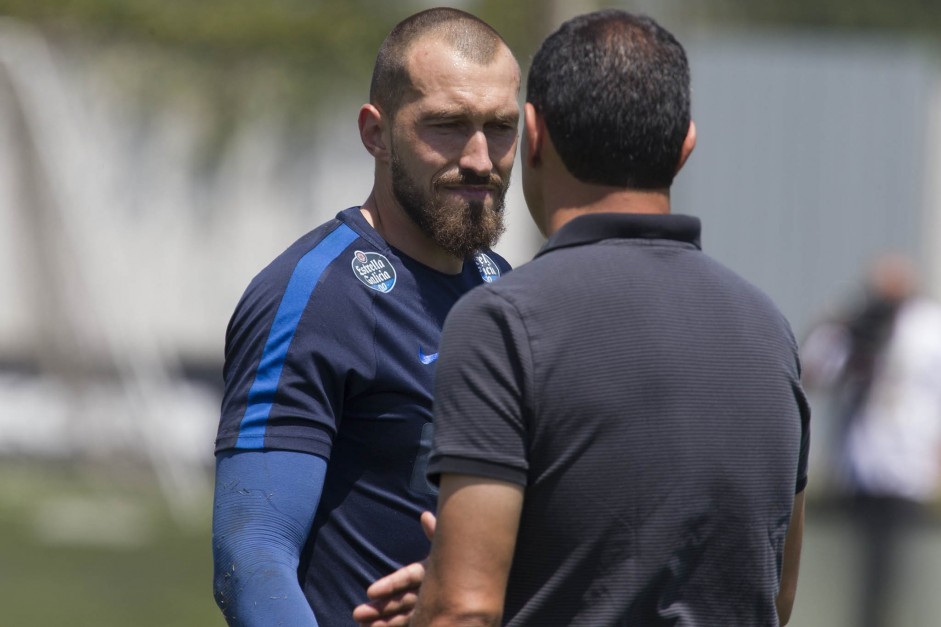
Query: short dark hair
(472, 37)
(613, 88)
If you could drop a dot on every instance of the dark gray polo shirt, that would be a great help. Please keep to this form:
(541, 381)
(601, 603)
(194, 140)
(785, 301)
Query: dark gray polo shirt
(649, 400)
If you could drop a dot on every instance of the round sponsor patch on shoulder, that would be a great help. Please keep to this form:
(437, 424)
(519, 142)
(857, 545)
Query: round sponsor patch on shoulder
(374, 270)
(489, 271)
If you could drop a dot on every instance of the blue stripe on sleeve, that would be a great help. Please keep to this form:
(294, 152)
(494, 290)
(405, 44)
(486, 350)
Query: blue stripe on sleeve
(302, 283)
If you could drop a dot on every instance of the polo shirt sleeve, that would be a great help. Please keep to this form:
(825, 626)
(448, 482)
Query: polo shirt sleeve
(483, 391)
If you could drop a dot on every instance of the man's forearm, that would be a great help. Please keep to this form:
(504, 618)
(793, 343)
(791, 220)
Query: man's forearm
(784, 602)
(264, 506)
(471, 553)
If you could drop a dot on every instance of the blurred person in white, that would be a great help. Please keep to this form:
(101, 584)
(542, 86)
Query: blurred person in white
(882, 363)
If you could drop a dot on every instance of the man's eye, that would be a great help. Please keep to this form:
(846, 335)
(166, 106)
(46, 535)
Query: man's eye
(504, 127)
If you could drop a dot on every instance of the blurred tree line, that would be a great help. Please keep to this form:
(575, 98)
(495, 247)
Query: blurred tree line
(319, 45)
(233, 58)
(236, 56)
(304, 50)
(308, 49)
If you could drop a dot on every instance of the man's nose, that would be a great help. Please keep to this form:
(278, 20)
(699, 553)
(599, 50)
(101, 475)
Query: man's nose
(476, 155)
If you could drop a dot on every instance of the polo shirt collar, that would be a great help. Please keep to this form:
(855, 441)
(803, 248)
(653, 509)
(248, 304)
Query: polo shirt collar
(594, 227)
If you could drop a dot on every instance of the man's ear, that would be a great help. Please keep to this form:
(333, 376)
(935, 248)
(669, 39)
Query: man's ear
(371, 125)
(688, 145)
(534, 134)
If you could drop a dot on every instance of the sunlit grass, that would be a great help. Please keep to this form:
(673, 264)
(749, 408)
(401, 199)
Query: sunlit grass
(80, 546)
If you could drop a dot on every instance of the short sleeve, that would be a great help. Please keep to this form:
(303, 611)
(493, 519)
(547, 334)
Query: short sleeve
(482, 403)
(289, 357)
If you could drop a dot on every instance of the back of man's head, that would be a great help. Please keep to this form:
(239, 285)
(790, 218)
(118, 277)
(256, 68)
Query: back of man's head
(472, 37)
(613, 89)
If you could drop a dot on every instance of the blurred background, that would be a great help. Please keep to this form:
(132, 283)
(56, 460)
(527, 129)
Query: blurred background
(156, 154)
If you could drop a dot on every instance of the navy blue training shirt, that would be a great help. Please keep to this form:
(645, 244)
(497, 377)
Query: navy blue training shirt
(331, 351)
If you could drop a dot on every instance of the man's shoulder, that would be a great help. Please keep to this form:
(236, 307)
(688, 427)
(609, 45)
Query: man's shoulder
(532, 277)
(312, 253)
(312, 261)
(504, 292)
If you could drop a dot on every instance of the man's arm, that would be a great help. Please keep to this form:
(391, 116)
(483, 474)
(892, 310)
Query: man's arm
(264, 508)
(471, 553)
(792, 557)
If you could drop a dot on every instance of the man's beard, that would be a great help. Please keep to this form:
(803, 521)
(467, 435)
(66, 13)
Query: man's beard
(457, 226)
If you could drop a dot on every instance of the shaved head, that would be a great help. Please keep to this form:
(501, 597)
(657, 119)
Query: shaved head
(473, 38)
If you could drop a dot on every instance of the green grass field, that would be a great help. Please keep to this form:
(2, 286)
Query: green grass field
(87, 545)
(93, 546)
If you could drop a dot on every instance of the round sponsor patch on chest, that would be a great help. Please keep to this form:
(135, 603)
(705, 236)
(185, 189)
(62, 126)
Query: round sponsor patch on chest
(374, 270)
(489, 271)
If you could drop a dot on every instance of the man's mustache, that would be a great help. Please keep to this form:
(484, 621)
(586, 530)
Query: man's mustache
(465, 177)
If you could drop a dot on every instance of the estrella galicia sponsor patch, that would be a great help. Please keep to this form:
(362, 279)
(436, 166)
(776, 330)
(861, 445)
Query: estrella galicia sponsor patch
(489, 271)
(374, 270)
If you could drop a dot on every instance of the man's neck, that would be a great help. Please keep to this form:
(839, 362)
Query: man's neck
(580, 200)
(399, 231)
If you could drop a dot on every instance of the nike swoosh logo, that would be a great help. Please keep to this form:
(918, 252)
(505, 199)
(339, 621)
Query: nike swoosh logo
(426, 359)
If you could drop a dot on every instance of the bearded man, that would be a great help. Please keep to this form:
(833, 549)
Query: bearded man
(326, 419)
